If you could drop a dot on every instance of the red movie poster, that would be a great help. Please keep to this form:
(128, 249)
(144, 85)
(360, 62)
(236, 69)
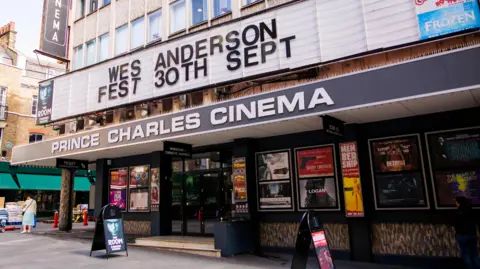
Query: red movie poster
(323, 252)
(315, 162)
(395, 155)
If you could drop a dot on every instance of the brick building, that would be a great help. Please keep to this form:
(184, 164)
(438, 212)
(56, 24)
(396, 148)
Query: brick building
(19, 77)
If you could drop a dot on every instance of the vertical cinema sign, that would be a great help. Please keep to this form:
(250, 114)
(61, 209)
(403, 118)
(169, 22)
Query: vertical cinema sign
(53, 37)
(352, 187)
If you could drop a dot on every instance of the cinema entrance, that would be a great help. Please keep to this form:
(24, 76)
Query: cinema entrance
(201, 192)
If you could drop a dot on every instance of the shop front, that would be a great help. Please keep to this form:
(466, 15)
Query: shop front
(383, 168)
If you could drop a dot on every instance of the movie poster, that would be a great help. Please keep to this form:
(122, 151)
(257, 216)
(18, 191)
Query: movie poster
(138, 200)
(45, 102)
(395, 155)
(455, 149)
(400, 190)
(317, 193)
(239, 180)
(315, 162)
(452, 184)
(273, 166)
(114, 235)
(352, 187)
(322, 250)
(119, 198)
(118, 178)
(275, 195)
(155, 188)
(442, 17)
(139, 176)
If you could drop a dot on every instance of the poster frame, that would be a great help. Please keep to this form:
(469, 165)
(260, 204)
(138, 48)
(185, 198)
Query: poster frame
(335, 176)
(289, 151)
(432, 173)
(126, 187)
(359, 174)
(421, 170)
(148, 188)
(157, 206)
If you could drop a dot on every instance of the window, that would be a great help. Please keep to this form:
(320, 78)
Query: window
(221, 7)
(78, 57)
(121, 39)
(34, 104)
(137, 36)
(177, 16)
(199, 11)
(93, 6)
(155, 25)
(3, 96)
(80, 9)
(105, 2)
(103, 45)
(35, 138)
(90, 53)
(248, 2)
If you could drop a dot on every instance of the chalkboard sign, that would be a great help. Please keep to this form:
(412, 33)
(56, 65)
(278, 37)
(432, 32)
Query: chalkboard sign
(109, 232)
(311, 230)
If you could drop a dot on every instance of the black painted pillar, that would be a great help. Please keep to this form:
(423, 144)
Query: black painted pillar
(245, 147)
(359, 228)
(161, 219)
(101, 185)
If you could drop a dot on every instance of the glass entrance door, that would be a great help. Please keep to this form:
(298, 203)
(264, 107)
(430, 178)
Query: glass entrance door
(193, 204)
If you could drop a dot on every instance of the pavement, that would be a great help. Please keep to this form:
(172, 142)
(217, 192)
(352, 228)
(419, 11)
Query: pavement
(48, 248)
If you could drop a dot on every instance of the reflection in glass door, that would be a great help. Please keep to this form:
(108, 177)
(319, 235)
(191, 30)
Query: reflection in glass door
(193, 205)
(210, 209)
(177, 196)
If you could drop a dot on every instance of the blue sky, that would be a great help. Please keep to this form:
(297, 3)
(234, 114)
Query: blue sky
(27, 15)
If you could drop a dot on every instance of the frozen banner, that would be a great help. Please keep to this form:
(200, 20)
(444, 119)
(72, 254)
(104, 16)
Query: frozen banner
(318, 193)
(273, 166)
(442, 17)
(455, 149)
(394, 155)
(452, 184)
(275, 195)
(400, 190)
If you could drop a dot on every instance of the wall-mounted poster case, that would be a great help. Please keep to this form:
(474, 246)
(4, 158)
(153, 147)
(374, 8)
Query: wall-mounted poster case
(154, 189)
(316, 178)
(397, 173)
(118, 187)
(274, 180)
(139, 188)
(454, 160)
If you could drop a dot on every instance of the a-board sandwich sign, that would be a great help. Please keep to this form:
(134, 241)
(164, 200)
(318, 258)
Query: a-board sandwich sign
(109, 231)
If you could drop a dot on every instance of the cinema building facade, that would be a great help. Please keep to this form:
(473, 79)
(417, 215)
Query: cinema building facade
(354, 109)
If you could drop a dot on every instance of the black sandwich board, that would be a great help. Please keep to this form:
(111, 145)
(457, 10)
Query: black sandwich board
(311, 230)
(109, 232)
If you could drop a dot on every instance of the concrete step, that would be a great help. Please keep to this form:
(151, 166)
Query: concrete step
(198, 246)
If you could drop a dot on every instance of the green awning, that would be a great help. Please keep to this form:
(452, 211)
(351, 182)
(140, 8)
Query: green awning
(39, 182)
(81, 184)
(50, 182)
(7, 182)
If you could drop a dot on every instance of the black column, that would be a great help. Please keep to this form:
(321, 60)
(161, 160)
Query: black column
(245, 147)
(101, 185)
(359, 228)
(165, 216)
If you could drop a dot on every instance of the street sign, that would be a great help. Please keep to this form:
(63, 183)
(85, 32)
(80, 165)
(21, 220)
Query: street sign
(72, 164)
(333, 126)
(177, 149)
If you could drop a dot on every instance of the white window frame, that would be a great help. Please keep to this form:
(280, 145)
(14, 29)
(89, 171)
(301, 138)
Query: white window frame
(99, 47)
(94, 52)
(80, 4)
(3, 96)
(103, 3)
(204, 9)
(76, 59)
(250, 2)
(171, 24)
(158, 11)
(127, 39)
(34, 104)
(132, 46)
(219, 15)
